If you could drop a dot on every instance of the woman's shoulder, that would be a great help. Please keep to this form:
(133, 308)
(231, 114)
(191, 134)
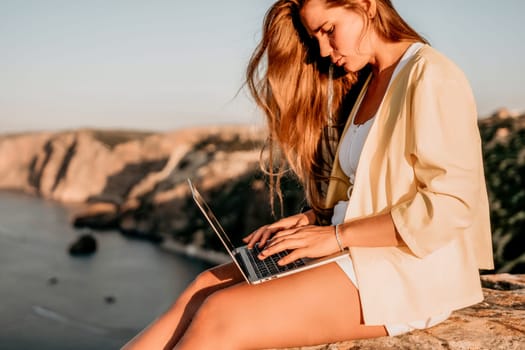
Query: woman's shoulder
(429, 62)
(433, 72)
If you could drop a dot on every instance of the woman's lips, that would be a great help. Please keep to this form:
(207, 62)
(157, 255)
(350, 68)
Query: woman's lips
(339, 61)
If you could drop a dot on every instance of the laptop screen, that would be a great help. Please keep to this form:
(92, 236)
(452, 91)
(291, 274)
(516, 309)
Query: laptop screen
(206, 210)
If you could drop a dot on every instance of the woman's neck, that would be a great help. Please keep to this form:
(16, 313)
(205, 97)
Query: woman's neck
(387, 56)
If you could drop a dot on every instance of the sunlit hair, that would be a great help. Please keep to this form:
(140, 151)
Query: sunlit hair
(289, 81)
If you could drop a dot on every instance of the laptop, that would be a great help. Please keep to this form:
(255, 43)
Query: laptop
(252, 268)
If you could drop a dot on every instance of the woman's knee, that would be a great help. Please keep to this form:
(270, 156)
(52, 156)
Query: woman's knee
(195, 290)
(203, 280)
(205, 284)
(214, 320)
(221, 275)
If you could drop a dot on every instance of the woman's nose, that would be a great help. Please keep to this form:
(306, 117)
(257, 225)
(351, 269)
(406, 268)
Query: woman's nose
(325, 49)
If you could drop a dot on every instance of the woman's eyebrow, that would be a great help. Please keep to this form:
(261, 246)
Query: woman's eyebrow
(311, 33)
(316, 30)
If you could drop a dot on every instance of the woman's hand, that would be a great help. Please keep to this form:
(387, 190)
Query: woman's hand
(263, 234)
(307, 241)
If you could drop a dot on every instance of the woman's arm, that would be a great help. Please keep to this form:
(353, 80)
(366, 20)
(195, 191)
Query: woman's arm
(373, 231)
(445, 152)
(316, 241)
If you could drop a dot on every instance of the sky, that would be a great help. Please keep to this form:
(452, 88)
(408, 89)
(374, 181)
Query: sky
(167, 64)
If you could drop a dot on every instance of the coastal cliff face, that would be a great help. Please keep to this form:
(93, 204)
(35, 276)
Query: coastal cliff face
(136, 181)
(71, 166)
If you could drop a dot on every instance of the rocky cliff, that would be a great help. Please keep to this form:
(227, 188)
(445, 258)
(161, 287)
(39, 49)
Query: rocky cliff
(503, 136)
(136, 181)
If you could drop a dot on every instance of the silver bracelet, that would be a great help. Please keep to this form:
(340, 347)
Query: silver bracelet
(338, 238)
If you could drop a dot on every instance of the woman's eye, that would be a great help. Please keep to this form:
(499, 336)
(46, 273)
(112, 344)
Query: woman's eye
(330, 30)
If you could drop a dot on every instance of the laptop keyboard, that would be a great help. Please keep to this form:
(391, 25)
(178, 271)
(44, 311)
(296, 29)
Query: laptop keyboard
(269, 266)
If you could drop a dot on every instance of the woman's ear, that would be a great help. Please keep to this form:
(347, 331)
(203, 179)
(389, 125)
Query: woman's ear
(370, 6)
(372, 10)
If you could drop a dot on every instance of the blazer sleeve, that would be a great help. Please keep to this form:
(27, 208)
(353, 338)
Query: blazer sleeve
(444, 148)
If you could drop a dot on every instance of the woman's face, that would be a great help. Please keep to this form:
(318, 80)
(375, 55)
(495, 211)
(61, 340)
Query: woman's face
(340, 32)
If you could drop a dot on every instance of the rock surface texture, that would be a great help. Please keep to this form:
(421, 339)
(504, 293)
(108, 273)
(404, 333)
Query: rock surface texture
(497, 323)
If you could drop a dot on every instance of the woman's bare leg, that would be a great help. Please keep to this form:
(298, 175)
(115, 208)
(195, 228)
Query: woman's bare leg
(317, 306)
(165, 332)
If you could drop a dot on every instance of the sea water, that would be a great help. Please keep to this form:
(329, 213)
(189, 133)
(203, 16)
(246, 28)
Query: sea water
(50, 300)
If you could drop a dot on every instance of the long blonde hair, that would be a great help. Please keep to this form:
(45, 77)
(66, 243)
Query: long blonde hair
(289, 81)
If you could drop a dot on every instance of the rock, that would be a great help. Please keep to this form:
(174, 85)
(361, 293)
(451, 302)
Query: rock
(225, 167)
(100, 215)
(503, 281)
(74, 166)
(17, 153)
(86, 244)
(504, 113)
(497, 323)
(110, 299)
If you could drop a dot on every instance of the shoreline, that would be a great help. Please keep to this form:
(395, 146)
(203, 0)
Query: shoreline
(193, 251)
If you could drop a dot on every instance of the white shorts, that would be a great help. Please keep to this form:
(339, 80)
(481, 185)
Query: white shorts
(394, 329)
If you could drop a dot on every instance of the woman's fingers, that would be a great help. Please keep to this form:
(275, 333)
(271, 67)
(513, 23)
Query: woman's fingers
(284, 233)
(260, 236)
(281, 236)
(247, 238)
(254, 237)
(264, 233)
(265, 237)
(289, 243)
(294, 255)
(307, 241)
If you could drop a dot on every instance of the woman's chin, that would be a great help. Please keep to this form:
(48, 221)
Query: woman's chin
(349, 69)
(353, 68)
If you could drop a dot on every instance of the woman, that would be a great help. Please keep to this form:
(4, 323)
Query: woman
(413, 214)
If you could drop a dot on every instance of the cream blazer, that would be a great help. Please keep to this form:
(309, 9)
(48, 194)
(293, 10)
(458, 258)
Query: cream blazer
(422, 163)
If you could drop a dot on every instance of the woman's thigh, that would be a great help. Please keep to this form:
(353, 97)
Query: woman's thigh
(316, 306)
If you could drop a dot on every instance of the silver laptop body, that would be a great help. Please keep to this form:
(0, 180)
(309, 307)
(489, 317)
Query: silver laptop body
(252, 268)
